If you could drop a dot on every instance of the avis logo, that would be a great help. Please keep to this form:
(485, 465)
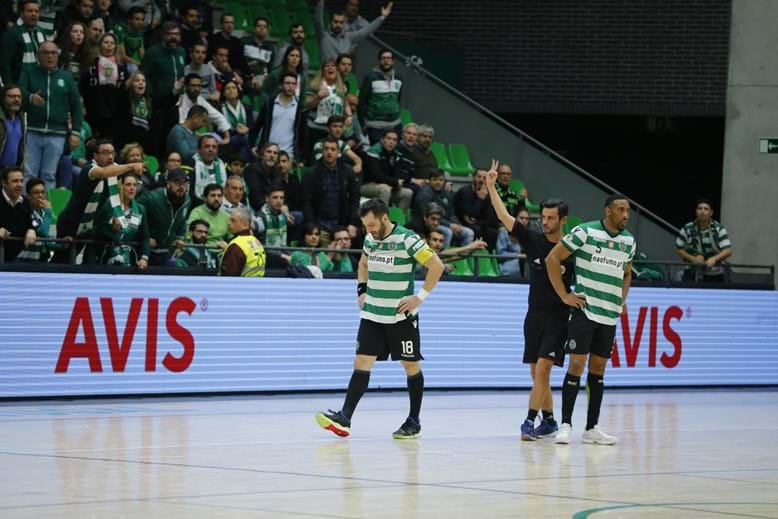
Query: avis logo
(81, 319)
(632, 342)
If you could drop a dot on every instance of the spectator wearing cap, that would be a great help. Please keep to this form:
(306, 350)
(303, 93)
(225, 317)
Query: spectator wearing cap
(379, 98)
(423, 159)
(435, 191)
(335, 39)
(15, 214)
(166, 209)
(383, 177)
(182, 138)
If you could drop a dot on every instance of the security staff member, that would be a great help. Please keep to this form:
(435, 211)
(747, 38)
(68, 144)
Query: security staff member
(244, 255)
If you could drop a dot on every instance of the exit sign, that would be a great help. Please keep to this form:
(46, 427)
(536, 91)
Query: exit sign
(768, 145)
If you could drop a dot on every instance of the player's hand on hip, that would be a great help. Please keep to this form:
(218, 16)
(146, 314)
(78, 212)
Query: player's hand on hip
(574, 300)
(408, 305)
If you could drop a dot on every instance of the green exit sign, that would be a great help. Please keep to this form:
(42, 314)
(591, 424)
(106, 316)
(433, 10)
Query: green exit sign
(768, 145)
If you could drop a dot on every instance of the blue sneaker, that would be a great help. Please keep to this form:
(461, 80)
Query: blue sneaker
(546, 430)
(528, 431)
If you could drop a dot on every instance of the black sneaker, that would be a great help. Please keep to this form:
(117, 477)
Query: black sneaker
(334, 421)
(409, 430)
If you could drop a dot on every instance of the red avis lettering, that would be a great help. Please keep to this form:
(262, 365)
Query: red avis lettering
(81, 319)
(632, 341)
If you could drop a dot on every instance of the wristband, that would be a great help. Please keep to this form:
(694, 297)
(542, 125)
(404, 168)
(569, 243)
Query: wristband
(422, 295)
(361, 288)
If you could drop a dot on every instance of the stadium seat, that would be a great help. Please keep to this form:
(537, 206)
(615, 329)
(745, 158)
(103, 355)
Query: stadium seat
(460, 160)
(517, 185)
(439, 150)
(487, 267)
(238, 10)
(312, 48)
(255, 10)
(151, 163)
(462, 268)
(353, 84)
(571, 222)
(279, 21)
(295, 5)
(406, 117)
(59, 199)
(397, 215)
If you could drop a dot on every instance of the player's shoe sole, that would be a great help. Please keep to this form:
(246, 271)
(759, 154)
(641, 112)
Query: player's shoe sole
(331, 425)
(398, 436)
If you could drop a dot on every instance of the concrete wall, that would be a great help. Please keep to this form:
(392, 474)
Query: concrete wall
(750, 180)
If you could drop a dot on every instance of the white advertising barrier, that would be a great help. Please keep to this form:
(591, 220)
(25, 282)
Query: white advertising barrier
(67, 335)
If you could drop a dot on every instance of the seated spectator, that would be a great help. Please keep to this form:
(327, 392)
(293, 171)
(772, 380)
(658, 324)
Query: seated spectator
(208, 167)
(353, 134)
(259, 175)
(42, 222)
(704, 242)
(73, 50)
(196, 254)
(435, 191)
(336, 125)
(282, 120)
(15, 214)
(150, 7)
(336, 40)
(316, 257)
(234, 193)
(132, 153)
(345, 63)
(12, 127)
(290, 64)
(293, 196)
(166, 211)
(508, 247)
(379, 98)
(259, 53)
(428, 221)
(436, 240)
(244, 255)
(108, 13)
(207, 73)
(95, 28)
(423, 158)
(240, 117)
(220, 61)
(183, 138)
(19, 41)
(324, 98)
(275, 223)
(331, 193)
(211, 211)
(405, 150)
(341, 261)
(131, 47)
(383, 176)
(234, 47)
(296, 39)
(103, 85)
(513, 201)
(73, 159)
(474, 209)
(191, 97)
(236, 166)
(133, 117)
(172, 163)
(130, 226)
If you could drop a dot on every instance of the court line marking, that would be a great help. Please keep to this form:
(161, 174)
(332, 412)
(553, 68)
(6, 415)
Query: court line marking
(585, 514)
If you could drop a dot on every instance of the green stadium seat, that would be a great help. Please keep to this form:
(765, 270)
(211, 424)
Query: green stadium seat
(255, 10)
(151, 163)
(312, 48)
(571, 222)
(460, 160)
(353, 84)
(462, 268)
(406, 117)
(59, 199)
(517, 185)
(280, 21)
(238, 10)
(439, 150)
(487, 267)
(397, 215)
(295, 5)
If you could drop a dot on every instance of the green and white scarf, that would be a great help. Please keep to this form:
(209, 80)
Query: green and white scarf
(121, 253)
(235, 116)
(32, 38)
(205, 174)
(88, 219)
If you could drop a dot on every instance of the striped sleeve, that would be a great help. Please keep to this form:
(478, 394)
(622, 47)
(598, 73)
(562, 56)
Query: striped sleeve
(575, 239)
(724, 242)
(682, 239)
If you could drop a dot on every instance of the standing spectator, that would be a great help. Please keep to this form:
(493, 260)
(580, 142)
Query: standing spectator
(207, 73)
(191, 28)
(163, 64)
(192, 97)
(296, 39)
(130, 38)
(166, 210)
(405, 150)
(47, 17)
(224, 72)
(153, 14)
(424, 160)
(13, 127)
(244, 255)
(354, 22)
(473, 209)
(53, 106)
(109, 14)
(281, 119)
(290, 63)
(21, 43)
(335, 124)
(208, 167)
(336, 40)
(234, 46)
(240, 118)
(276, 230)
(261, 173)
(94, 31)
(182, 139)
(435, 191)
(131, 226)
(73, 56)
(76, 11)
(211, 211)
(353, 134)
(200, 256)
(234, 194)
(71, 165)
(103, 86)
(383, 176)
(704, 242)
(15, 214)
(293, 196)
(325, 98)
(331, 192)
(513, 201)
(259, 53)
(42, 222)
(379, 98)
(345, 63)
(133, 113)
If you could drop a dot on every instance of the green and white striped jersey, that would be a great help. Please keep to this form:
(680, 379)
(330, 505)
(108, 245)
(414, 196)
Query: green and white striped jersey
(390, 272)
(600, 262)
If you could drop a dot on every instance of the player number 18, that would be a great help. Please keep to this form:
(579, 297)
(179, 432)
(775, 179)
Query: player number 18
(407, 347)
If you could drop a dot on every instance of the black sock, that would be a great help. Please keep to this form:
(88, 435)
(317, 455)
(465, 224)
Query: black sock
(570, 388)
(415, 392)
(548, 416)
(532, 414)
(356, 388)
(596, 387)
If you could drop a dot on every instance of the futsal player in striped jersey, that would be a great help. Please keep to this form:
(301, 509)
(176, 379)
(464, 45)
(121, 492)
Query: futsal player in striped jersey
(603, 251)
(389, 314)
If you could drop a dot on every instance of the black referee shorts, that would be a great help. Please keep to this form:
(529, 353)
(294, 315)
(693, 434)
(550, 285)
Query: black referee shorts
(545, 333)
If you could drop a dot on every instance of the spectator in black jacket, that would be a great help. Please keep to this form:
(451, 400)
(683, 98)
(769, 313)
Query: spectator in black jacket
(260, 174)
(383, 176)
(224, 38)
(331, 193)
(473, 209)
(15, 214)
(281, 120)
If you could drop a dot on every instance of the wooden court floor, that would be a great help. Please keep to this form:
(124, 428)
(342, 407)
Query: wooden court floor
(682, 454)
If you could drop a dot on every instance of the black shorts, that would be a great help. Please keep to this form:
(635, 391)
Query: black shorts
(401, 339)
(586, 336)
(545, 333)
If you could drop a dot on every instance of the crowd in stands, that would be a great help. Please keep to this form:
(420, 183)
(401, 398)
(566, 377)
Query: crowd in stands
(173, 138)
